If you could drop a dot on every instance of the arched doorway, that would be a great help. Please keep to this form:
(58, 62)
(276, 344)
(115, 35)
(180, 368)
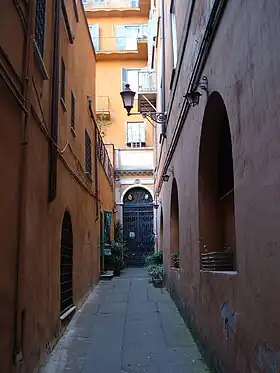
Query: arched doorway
(66, 264)
(174, 226)
(161, 230)
(216, 189)
(138, 217)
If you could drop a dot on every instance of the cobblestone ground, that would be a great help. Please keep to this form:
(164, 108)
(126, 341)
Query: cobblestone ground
(126, 326)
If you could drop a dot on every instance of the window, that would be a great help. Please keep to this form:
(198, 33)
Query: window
(135, 134)
(73, 109)
(62, 86)
(94, 33)
(127, 35)
(134, 3)
(173, 34)
(40, 21)
(131, 76)
(85, 2)
(88, 160)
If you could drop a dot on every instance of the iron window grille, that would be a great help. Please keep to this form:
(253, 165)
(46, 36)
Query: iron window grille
(62, 87)
(88, 159)
(73, 110)
(40, 20)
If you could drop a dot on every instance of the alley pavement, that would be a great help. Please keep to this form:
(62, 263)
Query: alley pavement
(126, 326)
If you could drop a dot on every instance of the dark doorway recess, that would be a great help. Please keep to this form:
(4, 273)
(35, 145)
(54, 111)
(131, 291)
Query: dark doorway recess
(174, 226)
(138, 219)
(216, 189)
(66, 265)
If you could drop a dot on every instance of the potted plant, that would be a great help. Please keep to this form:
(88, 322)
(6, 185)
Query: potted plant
(157, 276)
(116, 257)
(175, 259)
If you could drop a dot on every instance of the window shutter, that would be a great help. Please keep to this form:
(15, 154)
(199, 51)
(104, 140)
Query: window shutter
(129, 135)
(94, 32)
(124, 78)
(142, 133)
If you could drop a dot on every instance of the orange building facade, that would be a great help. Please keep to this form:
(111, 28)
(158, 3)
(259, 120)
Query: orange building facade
(121, 34)
(56, 176)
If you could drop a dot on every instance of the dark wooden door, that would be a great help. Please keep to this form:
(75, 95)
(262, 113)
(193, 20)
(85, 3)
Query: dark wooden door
(138, 217)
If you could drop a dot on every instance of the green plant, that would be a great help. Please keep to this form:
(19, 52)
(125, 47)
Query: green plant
(154, 259)
(175, 259)
(103, 124)
(156, 272)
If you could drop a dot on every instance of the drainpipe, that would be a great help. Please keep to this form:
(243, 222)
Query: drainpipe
(19, 315)
(54, 104)
(163, 128)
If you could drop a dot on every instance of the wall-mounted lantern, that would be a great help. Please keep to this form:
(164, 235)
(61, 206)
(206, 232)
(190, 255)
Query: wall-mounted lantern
(128, 102)
(165, 177)
(193, 96)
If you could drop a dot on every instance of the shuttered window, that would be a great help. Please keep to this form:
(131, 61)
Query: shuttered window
(40, 20)
(88, 159)
(62, 84)
(94, 33)
(135, 134)
(73, 110)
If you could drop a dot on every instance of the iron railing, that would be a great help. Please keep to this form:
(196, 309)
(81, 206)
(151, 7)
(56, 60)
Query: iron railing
(104, 159)
(110, 4)
(117, 43)
(147, 81)
(218, 261)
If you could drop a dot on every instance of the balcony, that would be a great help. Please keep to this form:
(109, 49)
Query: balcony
(134, 160)
(126, 48)
(103, 108)
(116, 8)
(147, 91)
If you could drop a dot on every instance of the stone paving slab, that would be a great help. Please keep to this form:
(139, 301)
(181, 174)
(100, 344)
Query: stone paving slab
(126, 326)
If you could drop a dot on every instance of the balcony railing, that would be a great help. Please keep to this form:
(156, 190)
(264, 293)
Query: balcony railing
(117, 44)
(147, 81)
(217, 261)
(138, 159)
(104, 159)
(110, 4)
(102, 104)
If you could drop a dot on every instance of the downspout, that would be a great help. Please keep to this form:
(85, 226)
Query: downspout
(54, 104)
(163, 128)
(19, 315)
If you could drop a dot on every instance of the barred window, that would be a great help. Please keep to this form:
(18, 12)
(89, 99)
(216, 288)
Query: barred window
(62, 86)
(40, 25)
(88, 160)
(73, 110)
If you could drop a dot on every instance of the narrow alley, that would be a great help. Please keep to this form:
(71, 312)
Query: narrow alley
(125, 326)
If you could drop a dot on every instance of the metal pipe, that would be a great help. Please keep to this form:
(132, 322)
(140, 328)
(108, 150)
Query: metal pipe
(54, 104)
(19, 315)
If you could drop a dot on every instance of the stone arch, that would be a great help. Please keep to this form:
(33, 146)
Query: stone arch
(216, 186)
(136, 186)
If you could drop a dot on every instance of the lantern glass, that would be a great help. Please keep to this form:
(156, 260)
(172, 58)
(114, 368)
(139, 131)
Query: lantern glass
(193, 98)
(128, 98)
